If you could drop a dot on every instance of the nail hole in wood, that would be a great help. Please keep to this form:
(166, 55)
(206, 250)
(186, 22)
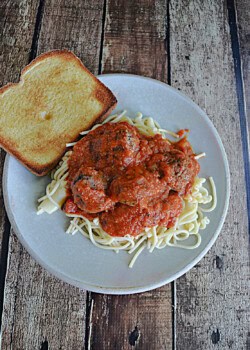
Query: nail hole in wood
(215, 336)
(134, 336)
(218, 262)
(44, 345)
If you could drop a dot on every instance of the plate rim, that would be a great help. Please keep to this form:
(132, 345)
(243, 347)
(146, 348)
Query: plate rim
(162, 281)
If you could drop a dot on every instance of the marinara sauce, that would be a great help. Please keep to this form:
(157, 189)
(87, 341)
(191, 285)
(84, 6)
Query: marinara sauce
(128, 180)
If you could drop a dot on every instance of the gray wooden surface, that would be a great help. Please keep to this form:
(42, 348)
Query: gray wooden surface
(243, 20)
(213, 304)
(189, 45)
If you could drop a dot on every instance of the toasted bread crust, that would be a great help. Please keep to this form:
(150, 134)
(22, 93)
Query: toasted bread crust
(103, 94)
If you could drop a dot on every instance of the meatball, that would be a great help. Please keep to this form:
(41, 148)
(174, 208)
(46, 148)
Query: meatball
(164, 211)
(176, 168)
(136, 185)
(88, 189)
(179, 172)
(110, 147)
(114, 145)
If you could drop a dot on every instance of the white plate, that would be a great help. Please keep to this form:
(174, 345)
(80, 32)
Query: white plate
(73, 258)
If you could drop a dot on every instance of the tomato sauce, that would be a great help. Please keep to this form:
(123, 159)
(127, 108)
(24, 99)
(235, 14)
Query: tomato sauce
(182, 132)
(128, 180)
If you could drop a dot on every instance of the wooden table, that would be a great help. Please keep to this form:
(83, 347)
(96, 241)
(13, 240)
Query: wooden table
(203, 49)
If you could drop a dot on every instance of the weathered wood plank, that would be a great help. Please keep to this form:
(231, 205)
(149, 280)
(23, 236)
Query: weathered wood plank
(41, 312)
(74, 25)
(134, 42)
(243, 18)
(135, 38)
(19, 18)
(17, 22)
(212, 299)
(39, 308)
(121, 322)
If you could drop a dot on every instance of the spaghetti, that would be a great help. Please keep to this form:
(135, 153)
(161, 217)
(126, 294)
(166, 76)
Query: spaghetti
(186, 231)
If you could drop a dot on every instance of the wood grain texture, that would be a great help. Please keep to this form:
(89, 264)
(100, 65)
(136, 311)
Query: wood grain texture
(38, 307)
(41, 312)
(121, 322)
(135, 38)
(17, 22)
(243, 17)
(134, 42)
(73, 25)
(213, 298)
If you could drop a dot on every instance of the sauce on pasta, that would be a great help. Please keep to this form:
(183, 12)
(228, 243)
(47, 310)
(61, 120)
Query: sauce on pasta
(128, 180)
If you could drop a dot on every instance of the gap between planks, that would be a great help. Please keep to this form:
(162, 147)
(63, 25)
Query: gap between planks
(233, 24)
